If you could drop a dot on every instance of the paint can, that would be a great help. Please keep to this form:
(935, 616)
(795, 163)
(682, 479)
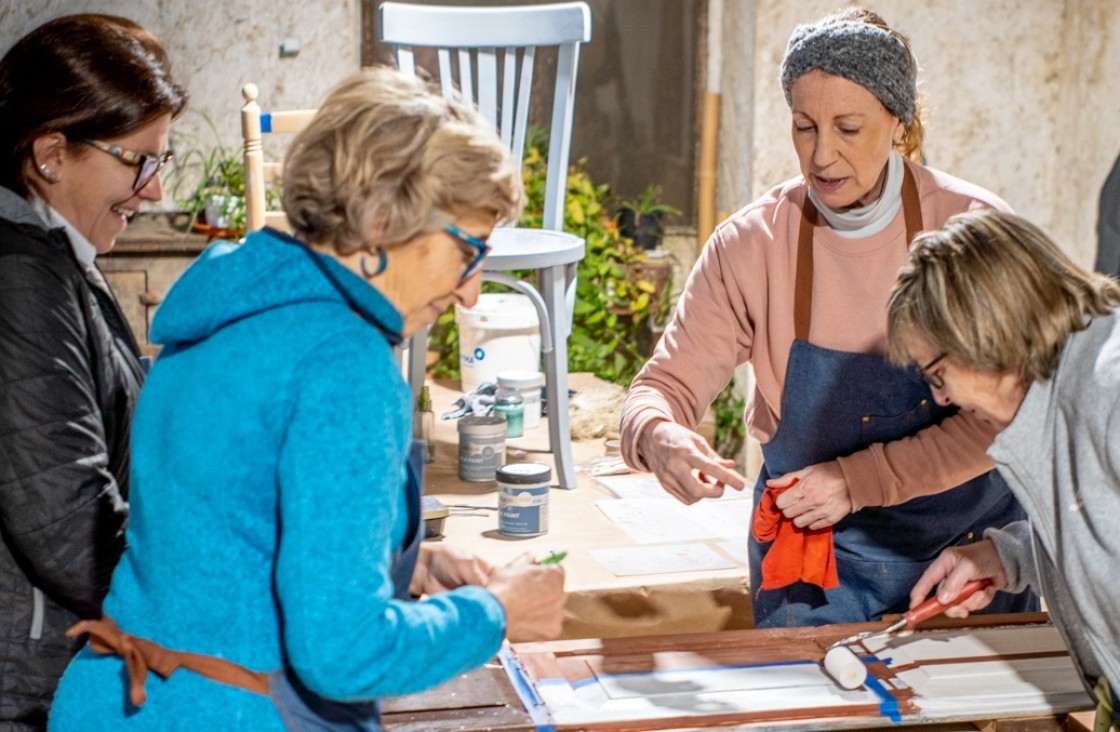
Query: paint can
(509, 405)
(523, 499)
(528, 384)
(482, 447)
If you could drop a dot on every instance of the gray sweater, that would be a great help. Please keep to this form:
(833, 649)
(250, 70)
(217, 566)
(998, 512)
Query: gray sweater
(1061, 457)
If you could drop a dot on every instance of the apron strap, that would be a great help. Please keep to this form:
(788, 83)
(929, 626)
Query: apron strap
(803, 281)
(141, 655)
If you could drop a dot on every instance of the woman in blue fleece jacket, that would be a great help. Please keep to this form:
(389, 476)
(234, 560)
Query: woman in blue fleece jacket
(274, 518)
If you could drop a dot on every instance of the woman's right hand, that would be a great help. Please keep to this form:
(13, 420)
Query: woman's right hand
(953, 569)
(687, 467)
(533, 597)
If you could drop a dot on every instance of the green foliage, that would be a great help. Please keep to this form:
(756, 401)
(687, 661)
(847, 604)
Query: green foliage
(613, 303)
(731, 430)
(648, 203)
(213, 178)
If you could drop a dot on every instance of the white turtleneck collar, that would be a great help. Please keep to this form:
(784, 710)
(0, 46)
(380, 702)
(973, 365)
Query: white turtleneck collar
(83, 249)
(861, 223)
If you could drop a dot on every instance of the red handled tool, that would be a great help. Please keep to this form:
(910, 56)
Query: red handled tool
(925, 611)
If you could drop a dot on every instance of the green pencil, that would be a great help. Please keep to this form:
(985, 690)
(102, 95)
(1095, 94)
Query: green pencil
(554, 558)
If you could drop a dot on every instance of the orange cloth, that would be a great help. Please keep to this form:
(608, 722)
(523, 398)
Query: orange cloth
(797, 554)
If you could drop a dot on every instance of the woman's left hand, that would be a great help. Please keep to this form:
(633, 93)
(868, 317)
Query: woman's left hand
(440, 568)
(820, 498)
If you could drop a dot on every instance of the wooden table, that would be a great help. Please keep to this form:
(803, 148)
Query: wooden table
(599, 604)
(487, 700)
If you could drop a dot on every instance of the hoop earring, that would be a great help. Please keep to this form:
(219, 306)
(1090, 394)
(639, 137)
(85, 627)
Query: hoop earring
(382, 263)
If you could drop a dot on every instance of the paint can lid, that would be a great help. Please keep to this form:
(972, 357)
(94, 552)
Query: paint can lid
(524, 473)
(514, 379)
(482, 425)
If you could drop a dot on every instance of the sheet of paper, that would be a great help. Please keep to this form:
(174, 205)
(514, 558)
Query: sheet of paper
(635, 485)
(659, 559)
(724, 517)
(653, 522)
(737, 550)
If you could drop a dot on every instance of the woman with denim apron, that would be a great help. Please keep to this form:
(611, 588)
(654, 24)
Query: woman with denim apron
(274, 540)
(796, 284)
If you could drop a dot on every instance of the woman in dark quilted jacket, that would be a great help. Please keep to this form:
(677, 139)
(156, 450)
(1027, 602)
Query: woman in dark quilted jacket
(86, 103)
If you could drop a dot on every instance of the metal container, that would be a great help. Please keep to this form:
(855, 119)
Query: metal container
(482, 447)
(523, 498)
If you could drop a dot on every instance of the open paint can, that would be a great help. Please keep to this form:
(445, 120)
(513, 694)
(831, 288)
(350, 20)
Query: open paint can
(523, 498)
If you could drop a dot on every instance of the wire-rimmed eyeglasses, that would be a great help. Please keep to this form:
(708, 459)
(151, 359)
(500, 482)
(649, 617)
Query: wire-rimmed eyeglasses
(481, 249)
(147, 166)
(933, 379)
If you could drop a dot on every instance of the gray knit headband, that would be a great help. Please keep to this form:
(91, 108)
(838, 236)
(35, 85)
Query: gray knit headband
(863, 53)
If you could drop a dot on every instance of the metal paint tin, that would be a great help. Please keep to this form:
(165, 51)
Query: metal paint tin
(523, 498)
(482, 447)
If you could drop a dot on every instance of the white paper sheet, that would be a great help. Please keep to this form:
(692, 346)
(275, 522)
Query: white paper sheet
(659, 559)
(635, 485)
(737, 550)
(653, 522)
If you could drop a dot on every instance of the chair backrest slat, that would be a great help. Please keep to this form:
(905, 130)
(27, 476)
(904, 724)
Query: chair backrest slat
(524, 99)
(466, 85)
(487, 61)
(406, 60)
(509, 93)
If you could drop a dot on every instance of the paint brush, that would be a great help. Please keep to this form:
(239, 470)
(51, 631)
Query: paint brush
(842, 664)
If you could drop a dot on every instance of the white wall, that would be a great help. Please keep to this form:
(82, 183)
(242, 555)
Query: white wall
(216, 48)
(1022, 98)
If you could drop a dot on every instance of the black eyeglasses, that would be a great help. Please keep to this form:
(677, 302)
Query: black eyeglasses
(481, 250)
(933, 380)
(147, 166)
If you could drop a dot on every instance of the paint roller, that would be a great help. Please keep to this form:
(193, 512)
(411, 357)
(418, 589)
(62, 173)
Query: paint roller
(842, 664)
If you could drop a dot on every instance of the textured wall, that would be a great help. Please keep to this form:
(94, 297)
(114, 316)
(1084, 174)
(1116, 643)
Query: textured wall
(1022, 99)
(217, 48)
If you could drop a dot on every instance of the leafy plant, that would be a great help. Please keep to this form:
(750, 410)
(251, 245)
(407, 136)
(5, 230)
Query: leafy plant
(214, 180)
(613, 300)
(648, 203)
(731, 430)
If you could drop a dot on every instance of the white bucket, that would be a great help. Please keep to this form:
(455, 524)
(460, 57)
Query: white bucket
(500, 333)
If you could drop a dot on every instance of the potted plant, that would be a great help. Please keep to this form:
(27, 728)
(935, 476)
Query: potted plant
(642, 219)
(217, 202)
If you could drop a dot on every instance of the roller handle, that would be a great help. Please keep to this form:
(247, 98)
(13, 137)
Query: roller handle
(932, 607)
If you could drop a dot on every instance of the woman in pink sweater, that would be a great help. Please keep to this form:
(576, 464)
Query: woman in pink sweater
(797, 283)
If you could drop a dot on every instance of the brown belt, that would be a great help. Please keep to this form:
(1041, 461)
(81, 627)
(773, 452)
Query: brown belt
(141, 655)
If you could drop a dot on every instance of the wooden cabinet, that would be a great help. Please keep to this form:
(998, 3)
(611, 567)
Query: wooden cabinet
(146, 260)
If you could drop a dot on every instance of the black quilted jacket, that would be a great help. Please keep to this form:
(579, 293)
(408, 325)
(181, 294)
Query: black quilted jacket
(69, 378)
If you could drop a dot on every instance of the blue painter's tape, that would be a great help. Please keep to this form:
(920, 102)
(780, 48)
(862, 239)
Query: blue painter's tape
(888, 705)
(533, 704)
(266, 122)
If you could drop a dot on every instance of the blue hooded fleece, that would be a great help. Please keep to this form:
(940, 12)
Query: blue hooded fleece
(269, 451)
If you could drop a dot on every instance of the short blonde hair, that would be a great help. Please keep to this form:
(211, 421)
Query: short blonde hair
(386, 157)
(992, 291)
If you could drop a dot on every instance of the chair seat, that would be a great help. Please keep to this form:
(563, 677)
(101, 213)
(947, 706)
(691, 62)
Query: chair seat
(518, 248)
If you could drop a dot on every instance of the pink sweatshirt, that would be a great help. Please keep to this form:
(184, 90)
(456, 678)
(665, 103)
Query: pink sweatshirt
(738, 306)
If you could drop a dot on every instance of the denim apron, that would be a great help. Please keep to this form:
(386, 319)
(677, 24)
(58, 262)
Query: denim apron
(835, 403)
(301, 709)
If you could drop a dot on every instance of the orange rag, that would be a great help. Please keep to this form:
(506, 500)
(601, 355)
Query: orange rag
(797, 553)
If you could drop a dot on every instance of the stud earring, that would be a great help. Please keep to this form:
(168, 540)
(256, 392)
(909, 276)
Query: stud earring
(382, 263)
(49, 174)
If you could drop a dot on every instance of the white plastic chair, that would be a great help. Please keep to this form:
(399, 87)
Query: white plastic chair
(494, 49)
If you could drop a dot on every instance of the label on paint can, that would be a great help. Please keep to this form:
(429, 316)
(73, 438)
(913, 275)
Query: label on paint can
(523, 498)
(482, 447)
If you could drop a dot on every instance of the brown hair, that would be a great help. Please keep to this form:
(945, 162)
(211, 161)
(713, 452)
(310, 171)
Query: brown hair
(86, 76)
(992, 291)
(386, 156)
